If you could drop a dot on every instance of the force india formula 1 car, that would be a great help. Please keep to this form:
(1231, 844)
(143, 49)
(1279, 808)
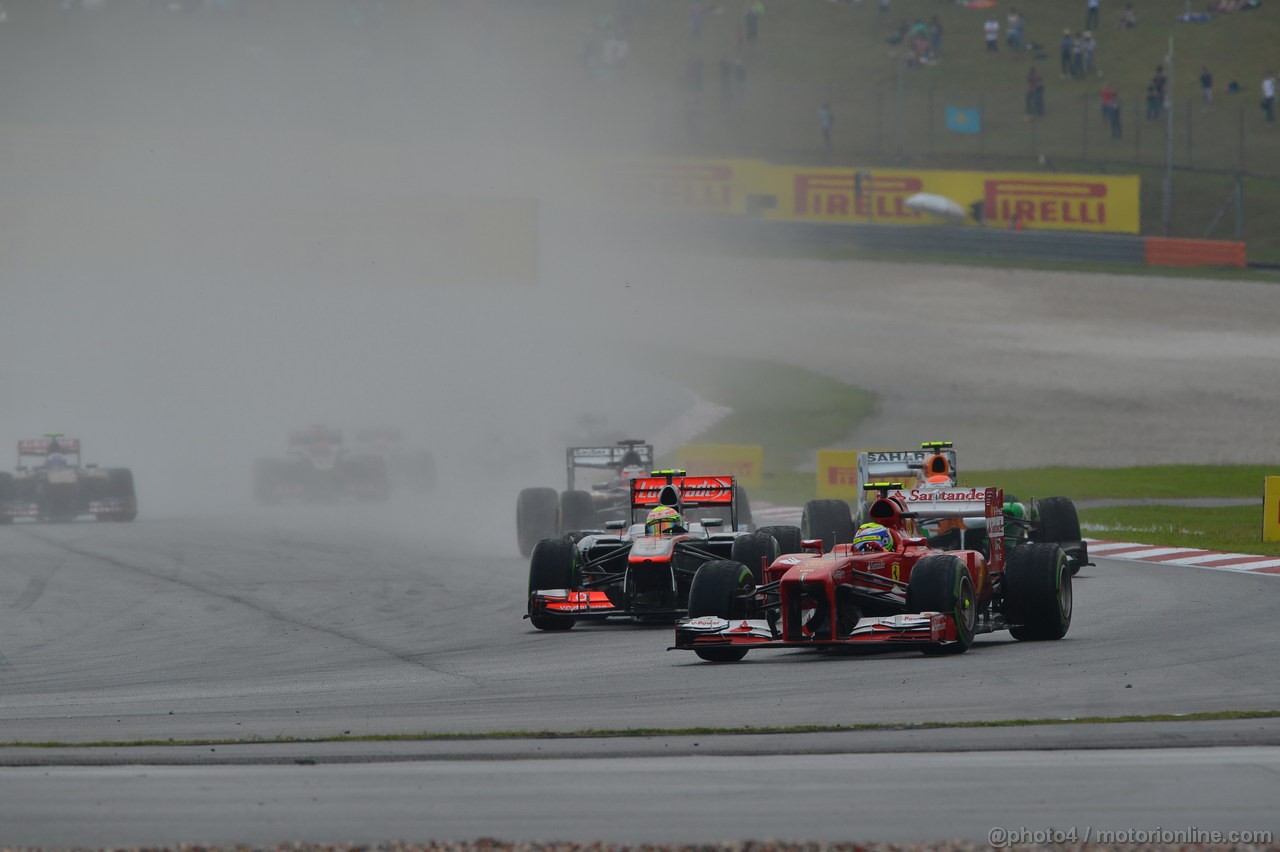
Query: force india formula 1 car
(542, 513)
(622, 571)
(51, 485)
(318, 469)
(927, 469)
(910, 595)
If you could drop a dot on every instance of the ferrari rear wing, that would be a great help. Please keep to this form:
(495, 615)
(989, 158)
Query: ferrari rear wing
(612, 457)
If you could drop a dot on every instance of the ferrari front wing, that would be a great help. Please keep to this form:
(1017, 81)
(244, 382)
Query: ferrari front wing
(914, 630)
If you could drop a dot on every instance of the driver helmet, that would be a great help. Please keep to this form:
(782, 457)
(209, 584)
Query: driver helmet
(936, 470)
(873, 538)
(56, 460)
(661, 520)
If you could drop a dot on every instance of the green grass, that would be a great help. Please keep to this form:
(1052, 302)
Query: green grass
(787, 410)
(1235, 529)
(1225, 715)
(1160, 482)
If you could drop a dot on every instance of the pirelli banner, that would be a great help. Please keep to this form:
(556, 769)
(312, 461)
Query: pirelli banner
(683, 186)
(742, 461)
(1050, 201)
(838, 475)
(1074, 202)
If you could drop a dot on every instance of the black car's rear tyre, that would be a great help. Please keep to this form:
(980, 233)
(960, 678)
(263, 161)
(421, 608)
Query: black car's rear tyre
(1057, 521)
(577, 511)
(787, 537)
(120, 486)
(755, 550)
(8, 492)
(1037, 592)
(537, 517)
(829, 520)
(553, 565)
(941, 583)
(717, 591)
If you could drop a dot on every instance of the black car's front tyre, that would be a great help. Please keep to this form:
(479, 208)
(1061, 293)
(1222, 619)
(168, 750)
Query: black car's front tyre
(829, 520)
(1037, 592)
(941, 583)
(537, 517)
(719, 590)
(755, 550)
(553, 565)
(787, 537)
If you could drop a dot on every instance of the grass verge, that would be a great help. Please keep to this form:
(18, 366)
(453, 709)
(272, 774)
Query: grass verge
(1178, 481)
(1224, 715)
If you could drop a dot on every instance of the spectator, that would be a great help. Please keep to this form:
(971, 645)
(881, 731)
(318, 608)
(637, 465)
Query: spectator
(1269, 96)
(1116, 132)
(697, 14)
(1160, 80)
(825, 120)
(1107, 96)
(1233, 88)
(1013, 30)
(1077, 55)
(1206, 86)
(1153, 103)
(991, 29)
(1129, 17)
(751, 20)
(1091, 16)
(1035, 93)
(1089, 48)
(1065, 59)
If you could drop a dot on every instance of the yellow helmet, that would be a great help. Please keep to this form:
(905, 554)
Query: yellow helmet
(663, 519)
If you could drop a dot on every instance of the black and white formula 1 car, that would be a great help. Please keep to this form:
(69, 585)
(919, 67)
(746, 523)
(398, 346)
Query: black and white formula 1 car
(51, 484)
(318, 469)
(544, 513)
(547, 513)
(630, 570)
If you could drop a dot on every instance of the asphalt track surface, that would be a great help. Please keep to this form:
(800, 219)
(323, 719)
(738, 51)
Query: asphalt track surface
(303, 622)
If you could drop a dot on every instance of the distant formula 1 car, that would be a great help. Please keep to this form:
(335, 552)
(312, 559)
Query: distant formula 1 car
(933, 467)
(907, 594)
(414, 470)
(50, 484)
(318, 469)
(543, 513)
(626, 570)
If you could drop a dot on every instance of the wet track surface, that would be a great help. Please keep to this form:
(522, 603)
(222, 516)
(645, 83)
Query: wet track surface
(335, 622)
(315, 621)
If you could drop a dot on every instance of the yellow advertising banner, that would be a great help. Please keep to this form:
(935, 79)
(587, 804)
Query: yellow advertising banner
(838, 475)
(742, 461)
(1271, 509)
(683, 186)
(1046, 201)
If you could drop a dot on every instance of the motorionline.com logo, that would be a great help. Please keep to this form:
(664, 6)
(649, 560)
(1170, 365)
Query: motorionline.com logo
(1001, 837)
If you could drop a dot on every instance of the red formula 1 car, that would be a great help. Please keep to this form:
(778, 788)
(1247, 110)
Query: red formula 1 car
(906, 595)
(629, 570)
